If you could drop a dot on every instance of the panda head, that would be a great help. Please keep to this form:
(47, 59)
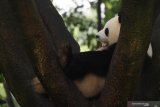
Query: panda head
(110, 33)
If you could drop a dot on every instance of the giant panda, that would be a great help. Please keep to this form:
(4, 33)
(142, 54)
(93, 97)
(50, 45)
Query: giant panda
(88, 70)
(89, 76)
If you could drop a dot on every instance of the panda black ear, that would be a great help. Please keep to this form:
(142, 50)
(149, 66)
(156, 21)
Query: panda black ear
(119, 17)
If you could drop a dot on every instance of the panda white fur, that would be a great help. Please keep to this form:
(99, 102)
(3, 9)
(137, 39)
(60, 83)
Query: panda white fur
(110, 34)
(91, 85)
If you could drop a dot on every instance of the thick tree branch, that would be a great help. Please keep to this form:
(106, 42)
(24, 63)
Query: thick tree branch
(59, 33)
(99, 23)
(129, 55)
(152, 75)
(14, 62)
(148, 83)
(155, 91)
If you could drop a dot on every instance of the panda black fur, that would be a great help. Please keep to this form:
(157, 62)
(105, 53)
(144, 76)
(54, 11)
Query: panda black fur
(87, 70)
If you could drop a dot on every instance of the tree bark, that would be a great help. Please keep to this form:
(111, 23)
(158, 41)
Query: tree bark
(137, 16)
(99, 15)
(155, 91)
(151, 75)
(14, 62)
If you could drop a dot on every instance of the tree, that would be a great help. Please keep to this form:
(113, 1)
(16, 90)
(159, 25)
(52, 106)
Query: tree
(35, 42)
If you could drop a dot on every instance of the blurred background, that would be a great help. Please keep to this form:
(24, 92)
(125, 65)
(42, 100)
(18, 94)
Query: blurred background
(83, 19)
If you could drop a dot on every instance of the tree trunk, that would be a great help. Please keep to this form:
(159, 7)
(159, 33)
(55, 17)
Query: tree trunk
(127, 62)
(14, 62)
(151, 74)
(99, 15)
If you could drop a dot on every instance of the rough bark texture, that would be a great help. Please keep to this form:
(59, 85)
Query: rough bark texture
(149, 82)
(14, 62)
(129, 55)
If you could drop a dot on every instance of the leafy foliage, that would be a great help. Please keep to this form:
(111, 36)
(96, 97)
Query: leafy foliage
(112, 8)
(82, 26)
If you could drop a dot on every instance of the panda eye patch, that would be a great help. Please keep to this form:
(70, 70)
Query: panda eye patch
(106, 31)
